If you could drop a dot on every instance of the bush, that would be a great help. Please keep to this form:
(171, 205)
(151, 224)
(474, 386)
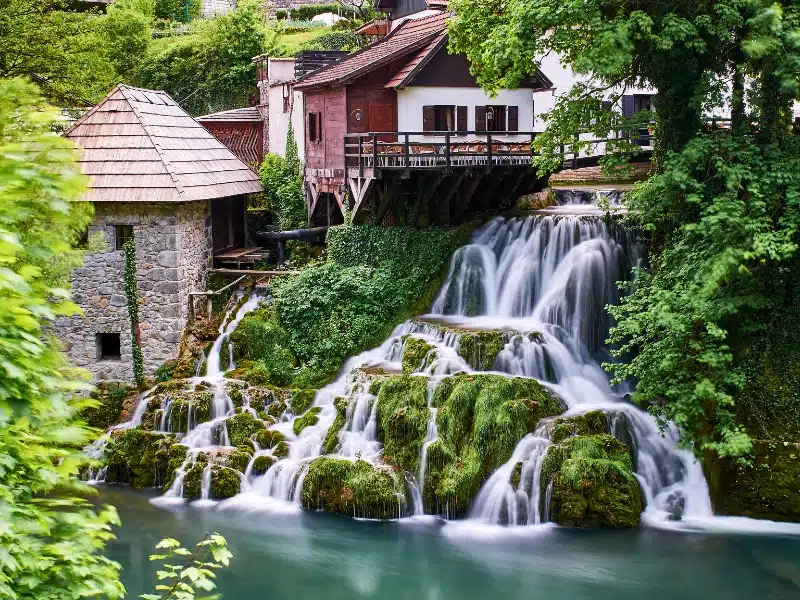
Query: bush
(282, 15)
(306, 12)
(283, 186)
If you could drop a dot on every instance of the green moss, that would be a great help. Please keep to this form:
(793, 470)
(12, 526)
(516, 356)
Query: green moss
(281, 450)
(138, 457)
(516, 474)
(301, 400)
(262, 464)
(225, 482)
(238, 460)
(353, 489)
(593, 484)
(193, 481)
(480, 348)
(263, 344)
(176, 457)
(414, 352)
(183, 403)
(311, 417)
(268, 438)
(332, 437)
(590, 423)
(242, 426)
(110, 402)
(481, 419)
(403, 419)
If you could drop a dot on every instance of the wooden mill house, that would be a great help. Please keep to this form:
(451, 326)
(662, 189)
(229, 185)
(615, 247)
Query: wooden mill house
(404, 130)
(156, 176)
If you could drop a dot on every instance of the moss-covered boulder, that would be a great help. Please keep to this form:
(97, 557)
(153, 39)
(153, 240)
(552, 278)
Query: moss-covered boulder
(261, 464)
(403, 419)
(590, 423)
(268, 438)
(225, 482)
(242, 426)
(480, 420)
(138, 457)
(593, 484)
(353, 489)
(112, 403)
(332, 437)
(176, 457)
(261, 347)
(301, 400)
(414, 352)
(309, 418)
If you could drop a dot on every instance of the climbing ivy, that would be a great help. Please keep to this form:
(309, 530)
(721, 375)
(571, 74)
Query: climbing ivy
(132, 297)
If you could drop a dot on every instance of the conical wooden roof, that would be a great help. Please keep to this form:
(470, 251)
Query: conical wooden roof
(138, 145)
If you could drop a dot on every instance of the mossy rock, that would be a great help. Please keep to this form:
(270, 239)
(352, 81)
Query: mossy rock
(138, 457)
(176, 457)
(238, 460)
(225, 482)
(113, 403)
(281, 450)
(403, 419)
(242, 426)
(414, 352)
(261, 346)
(268, 438)
(481, 419)
(301, 400)
(332, 437)
(593, 484)
(353, 489)
(590, 423)
(311, 417)
(261, 464)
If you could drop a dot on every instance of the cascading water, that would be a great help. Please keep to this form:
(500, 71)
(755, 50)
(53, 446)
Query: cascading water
(551, 276)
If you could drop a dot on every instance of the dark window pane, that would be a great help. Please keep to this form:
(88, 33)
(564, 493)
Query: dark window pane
(122, 233)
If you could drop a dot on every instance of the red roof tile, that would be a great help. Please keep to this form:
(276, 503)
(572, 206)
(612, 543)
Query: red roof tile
(408, 37)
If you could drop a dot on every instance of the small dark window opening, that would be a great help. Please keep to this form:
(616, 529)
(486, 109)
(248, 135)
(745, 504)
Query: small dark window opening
(444, 118)
(108, 346)
(314, 127)
(122, 233)
(495, 118)
(83, 239)
(286, 98)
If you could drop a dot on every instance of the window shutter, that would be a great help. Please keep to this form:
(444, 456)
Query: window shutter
(461, 118)
(480, 118)
(428, 118)
(628, 106)
(513, 118)
(319, 126)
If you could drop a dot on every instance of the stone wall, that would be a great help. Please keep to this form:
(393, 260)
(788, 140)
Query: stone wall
(173, 248)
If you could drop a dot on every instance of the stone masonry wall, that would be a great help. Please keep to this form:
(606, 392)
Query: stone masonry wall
(173, 246)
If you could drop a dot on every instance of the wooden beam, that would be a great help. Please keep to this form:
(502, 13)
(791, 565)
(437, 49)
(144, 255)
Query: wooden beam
(424, 211)
(446, 198)
(470, 184)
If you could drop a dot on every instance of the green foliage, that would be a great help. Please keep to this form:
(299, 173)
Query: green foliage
(373, 279)
(308, 419)
(132, 298)
(126, 33)
(52, 537)
(176, 9)
(283, 185)
(306, 12)
(107, 409)
(339, 40)
(260, 339)
(210, 69)
(165, 372)
(186, 573)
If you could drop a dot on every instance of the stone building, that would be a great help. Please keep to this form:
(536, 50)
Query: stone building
(156, 175)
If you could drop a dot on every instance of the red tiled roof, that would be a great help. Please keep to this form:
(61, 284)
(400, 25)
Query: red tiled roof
(410, 36)
(407, 73)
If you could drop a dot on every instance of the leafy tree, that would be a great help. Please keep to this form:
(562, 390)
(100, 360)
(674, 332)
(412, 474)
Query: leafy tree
(283, 185)
(51, 537)
(126, 33)
(211, 69)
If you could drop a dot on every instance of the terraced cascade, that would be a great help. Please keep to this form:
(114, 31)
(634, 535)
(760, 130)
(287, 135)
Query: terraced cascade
(493, 408)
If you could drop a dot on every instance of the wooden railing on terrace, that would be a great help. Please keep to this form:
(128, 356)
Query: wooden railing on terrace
(397, 150)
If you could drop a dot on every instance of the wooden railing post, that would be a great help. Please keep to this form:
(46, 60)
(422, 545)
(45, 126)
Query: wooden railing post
(407, 152)
(374, 151)
(360, 157)
(489, 149)
(447, 149)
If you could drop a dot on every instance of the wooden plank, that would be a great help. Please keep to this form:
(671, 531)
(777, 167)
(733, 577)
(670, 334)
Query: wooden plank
(234, 254)
(253, 272)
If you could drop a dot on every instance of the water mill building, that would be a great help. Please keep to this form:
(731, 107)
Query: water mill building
(157, 176)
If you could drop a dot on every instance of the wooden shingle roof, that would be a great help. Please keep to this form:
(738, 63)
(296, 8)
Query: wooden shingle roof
(248, 114)
(139, 146)
(408, 37)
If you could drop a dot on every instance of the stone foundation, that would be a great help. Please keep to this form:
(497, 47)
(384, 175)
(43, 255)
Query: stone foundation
(173, 249)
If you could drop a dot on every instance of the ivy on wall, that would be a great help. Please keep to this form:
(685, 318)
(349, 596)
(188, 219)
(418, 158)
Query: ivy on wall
(132, 297)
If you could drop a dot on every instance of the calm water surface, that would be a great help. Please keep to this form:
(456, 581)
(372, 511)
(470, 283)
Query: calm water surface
(314, 556)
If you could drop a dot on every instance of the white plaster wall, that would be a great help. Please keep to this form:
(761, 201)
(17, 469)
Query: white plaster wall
(279, 121)
(411, 100)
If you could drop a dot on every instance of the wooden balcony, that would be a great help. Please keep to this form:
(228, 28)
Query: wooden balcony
(366, 152)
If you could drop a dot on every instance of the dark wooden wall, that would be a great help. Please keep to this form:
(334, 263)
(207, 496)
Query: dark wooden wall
(450, 70)
(228, 217)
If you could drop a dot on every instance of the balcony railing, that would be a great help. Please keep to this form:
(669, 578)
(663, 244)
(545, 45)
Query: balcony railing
(438, 150)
